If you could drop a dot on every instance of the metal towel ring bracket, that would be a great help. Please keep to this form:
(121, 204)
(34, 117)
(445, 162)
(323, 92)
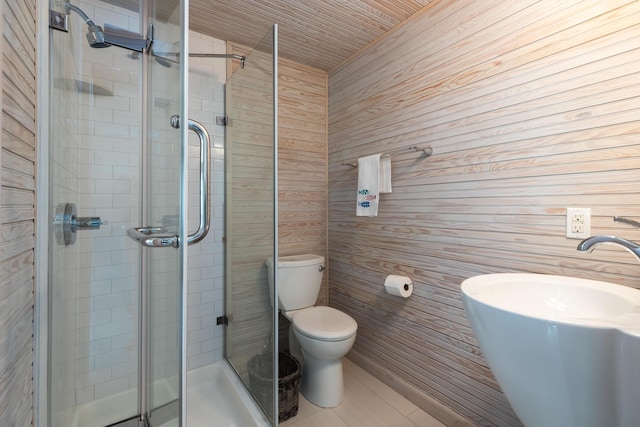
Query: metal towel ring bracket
(159, 237)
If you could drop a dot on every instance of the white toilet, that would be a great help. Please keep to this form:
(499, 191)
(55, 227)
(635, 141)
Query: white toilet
(323, 333)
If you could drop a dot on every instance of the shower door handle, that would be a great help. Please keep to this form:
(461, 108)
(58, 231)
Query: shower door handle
(205, 179)
(154, 237)
(159, 237)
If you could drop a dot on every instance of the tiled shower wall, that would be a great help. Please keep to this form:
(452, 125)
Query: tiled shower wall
(109, 184)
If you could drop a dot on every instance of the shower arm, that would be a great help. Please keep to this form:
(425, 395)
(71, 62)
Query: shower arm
(95, 33)
(80, 12)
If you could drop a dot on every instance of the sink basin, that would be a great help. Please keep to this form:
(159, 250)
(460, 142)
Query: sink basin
(565, 351)
(555, 298)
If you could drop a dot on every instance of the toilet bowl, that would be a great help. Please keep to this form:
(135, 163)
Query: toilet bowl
(325, 335)
(319, 336)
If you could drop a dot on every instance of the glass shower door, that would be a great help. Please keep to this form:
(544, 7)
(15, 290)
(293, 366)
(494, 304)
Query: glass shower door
(251, 219)
(94, 190)
(163, 215)
(116, 164)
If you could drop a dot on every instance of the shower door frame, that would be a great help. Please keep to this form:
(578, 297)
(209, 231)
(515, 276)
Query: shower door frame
(41, 307)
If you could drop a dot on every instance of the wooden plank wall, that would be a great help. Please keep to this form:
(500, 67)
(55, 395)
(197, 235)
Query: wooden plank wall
(302, 173)
(17, 214)
(530, 107)
(302, 169)
(302, 163)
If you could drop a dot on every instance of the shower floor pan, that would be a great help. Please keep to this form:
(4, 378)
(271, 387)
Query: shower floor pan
(215, 398)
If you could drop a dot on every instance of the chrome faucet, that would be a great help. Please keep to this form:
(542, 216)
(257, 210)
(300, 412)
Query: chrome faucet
(589, 244)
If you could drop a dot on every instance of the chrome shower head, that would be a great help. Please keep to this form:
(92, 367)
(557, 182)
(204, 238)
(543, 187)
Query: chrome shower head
(95, 37)
(111, 35)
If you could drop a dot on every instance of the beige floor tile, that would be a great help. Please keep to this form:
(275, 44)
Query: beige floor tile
(322, 418)
(368, 403)
(395, 399)
(305, 407)
(364, 407)
(421, 418)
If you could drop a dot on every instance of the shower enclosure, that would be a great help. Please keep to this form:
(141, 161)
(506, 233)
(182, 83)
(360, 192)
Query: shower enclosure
(126, 301)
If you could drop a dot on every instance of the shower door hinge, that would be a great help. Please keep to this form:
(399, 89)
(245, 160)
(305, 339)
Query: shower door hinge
(222, 320)
(149, 36)
(222, 120)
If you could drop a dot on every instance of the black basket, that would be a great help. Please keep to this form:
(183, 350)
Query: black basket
(261, 383)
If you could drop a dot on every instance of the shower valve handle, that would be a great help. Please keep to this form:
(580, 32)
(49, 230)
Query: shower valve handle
(89, 223)
(66, 223)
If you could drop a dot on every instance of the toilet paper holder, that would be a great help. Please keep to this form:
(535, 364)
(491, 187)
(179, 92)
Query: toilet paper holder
(401, 286)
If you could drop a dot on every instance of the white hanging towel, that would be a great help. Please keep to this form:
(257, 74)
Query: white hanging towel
(384, 185)
(368, 183)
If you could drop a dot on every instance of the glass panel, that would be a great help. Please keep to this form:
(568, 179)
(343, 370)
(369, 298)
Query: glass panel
(109, 152)
(95, 149)
(163, 274)
(250, 222)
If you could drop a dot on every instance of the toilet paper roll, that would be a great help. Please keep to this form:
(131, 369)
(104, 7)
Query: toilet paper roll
(400, 286)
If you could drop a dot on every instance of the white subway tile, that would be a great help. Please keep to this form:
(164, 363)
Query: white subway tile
(111, 358)
(84, 364)
(114, 386)
(84, 395)
(124, 340)
(112, 329)
(125, 368)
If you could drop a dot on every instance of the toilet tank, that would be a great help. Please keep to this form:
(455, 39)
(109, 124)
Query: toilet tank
(300, 280)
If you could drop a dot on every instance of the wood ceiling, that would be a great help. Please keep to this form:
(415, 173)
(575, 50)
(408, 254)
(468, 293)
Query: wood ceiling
(318, 33)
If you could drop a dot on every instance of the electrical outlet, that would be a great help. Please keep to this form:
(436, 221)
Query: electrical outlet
(578, 223)
(577, 227)
(577, 217)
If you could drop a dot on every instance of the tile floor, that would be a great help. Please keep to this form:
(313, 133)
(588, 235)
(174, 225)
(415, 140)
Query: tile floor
(368, 403)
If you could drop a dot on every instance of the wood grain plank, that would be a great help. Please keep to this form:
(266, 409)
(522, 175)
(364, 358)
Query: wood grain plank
(17, 199)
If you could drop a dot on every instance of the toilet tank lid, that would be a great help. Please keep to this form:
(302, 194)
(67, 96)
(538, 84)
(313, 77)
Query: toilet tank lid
(297, 260)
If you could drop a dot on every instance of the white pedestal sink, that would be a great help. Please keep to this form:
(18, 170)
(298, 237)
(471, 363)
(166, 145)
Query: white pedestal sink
(565, 351)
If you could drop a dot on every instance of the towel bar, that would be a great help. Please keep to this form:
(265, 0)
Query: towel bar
(425, 150)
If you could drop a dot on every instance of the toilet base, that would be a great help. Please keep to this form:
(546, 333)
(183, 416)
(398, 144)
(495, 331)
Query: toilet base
(322, 381)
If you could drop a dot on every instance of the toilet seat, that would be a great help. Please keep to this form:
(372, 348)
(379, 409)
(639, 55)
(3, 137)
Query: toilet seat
(324, 323)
